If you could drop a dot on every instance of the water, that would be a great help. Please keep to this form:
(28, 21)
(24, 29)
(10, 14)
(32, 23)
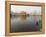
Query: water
(25, 23)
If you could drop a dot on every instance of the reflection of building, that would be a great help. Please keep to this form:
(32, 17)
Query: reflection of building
(23, 15)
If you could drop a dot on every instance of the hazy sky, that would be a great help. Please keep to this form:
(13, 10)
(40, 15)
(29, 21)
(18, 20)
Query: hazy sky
(28, 9)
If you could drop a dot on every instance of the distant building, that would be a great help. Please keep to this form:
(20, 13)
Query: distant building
(23, 13)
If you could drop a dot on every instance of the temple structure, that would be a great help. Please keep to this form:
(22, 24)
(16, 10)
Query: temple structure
(23, 13)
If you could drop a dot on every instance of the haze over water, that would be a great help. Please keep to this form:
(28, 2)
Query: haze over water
(29, 22)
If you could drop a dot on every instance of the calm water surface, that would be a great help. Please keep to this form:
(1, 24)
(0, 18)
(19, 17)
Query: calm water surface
(25, 23)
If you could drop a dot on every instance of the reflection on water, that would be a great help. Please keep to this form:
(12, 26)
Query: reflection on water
(25, 23)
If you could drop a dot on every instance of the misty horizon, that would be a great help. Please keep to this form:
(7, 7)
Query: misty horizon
(28, 9)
